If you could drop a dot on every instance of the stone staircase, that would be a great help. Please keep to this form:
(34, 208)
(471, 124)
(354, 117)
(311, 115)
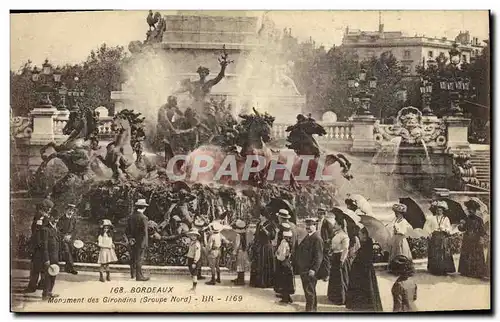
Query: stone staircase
(481, 160)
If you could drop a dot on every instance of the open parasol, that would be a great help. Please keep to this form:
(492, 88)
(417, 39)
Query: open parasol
(414, 214)
(455, 211)
(377, 230)
(278, 203)
(352, 224)
(483, 209)
(361, 202)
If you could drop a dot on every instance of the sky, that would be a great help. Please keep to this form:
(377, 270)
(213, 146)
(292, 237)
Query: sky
(69, 37)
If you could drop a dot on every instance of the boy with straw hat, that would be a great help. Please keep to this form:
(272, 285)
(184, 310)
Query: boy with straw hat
(194, 255)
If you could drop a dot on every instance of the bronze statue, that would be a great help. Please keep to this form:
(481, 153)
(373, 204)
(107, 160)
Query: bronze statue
(200, 89)
(159, 25)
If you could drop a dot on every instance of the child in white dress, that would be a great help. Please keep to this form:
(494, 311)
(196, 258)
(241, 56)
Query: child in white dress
(107, 253)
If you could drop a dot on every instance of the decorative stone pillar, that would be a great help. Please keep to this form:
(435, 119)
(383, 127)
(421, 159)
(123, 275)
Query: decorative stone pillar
(457, 139)
(362, 134)
(43, 124)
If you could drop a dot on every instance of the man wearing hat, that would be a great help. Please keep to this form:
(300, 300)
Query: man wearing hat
(321, 217)
(50, 249)
(309, 258)
(37, 263)
(284, 218)
(136, 233)
(214, 245)
(67, 227)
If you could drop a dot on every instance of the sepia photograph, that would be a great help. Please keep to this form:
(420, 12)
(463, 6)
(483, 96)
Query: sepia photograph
(229, 161)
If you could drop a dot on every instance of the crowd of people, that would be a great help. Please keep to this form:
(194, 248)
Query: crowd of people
(333, 251)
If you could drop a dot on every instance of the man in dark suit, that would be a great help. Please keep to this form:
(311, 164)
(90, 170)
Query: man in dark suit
(67, 228)
(309, 258)
(37, 268)
(137, 236)
(50, 247)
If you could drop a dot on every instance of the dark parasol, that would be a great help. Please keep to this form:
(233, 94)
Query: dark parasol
(455, 211)
(414, 214)
(276, 204)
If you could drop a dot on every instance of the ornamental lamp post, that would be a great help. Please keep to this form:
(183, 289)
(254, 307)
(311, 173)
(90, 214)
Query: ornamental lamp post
(45, 82)
(362, 88)
(426, 91)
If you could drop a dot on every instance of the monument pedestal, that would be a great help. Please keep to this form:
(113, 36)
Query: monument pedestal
(458, 140)
(362, 134)
(43, 125)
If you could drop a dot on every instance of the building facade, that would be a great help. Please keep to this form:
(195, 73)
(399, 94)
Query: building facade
(410, 51)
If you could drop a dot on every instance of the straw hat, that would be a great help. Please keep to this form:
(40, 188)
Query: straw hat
(141, 202)
(239, 226)
(286, 226)
(78, 244)
(399, 207)
(310, 220)
(70, 205)
(199, 222)
(53, 270)
(283, 213)
(106, 222)
(216, 227)
(193, 231)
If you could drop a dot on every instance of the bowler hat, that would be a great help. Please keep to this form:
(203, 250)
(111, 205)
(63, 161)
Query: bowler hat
(53, 270)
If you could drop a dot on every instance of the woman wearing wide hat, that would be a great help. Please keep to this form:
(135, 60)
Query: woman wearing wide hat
(472, 261)
(363, 292)
(440, 257)
(338, 280)
(262, 267)
(240, 251)
(404, 290)
(400, 229)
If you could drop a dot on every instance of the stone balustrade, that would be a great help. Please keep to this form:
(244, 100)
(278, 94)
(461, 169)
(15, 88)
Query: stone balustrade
(338, 131)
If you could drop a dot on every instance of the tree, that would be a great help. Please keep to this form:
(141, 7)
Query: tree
(98, 76)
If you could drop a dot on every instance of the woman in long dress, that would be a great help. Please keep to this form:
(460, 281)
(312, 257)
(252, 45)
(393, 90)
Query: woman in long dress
(440, 257)
(338, 281)
(262, 267)
(363, 293)
(472, 263)
(400, 229)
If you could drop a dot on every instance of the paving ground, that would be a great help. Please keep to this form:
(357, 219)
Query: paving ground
(434, 293)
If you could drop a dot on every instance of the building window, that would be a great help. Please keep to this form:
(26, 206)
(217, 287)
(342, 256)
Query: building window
(431, 54)
(407, 54)
(464, 58)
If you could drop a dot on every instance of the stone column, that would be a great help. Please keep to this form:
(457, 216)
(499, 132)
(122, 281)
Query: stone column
(362, 134)
(457, 139)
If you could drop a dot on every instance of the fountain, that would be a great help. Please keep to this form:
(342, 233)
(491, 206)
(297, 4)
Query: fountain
(405, 149)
